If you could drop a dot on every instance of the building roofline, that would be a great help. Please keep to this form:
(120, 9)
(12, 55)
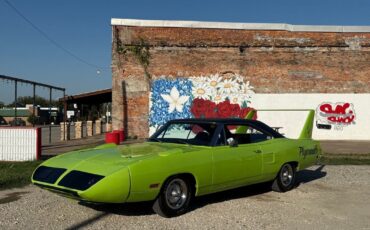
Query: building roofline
(86, 94)
(239, 26)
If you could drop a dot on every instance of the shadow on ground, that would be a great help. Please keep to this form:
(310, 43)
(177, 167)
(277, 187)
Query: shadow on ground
(11, 197)
(308, 175)
(127, 209)
(145, 208)
(88, 221)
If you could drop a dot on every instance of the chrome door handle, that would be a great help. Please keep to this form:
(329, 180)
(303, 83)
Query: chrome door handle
(257, 151)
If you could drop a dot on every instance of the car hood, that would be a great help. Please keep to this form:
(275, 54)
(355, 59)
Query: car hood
(109, 158)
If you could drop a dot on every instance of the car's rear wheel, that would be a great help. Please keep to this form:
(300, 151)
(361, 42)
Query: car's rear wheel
(285, 179)
(174, 198)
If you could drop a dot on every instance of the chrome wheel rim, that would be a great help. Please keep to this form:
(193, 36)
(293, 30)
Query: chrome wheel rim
(286, 175)
(176, 193)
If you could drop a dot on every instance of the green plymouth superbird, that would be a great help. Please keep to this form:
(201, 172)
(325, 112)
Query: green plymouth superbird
(183, 159)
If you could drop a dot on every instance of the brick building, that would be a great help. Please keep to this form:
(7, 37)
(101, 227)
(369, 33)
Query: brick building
(237, 66)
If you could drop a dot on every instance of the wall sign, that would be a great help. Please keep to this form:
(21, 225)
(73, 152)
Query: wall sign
(338, 115)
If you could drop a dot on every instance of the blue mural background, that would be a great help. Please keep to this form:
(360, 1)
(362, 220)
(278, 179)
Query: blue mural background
(159, 113)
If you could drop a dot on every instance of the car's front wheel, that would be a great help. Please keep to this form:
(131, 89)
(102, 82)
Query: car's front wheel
(174, 198)
(285, 179)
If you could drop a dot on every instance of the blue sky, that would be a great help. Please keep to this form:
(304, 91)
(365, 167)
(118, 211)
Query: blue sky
(83, 28)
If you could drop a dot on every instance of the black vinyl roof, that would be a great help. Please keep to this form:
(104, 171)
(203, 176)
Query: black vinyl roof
(213, 120)
(234, 121)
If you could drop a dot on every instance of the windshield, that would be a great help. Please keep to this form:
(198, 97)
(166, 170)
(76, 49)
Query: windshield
(186, 133)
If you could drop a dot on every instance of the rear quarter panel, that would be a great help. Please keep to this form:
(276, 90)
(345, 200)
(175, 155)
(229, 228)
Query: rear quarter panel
(275, 153)
(309, 151)
(282, 150)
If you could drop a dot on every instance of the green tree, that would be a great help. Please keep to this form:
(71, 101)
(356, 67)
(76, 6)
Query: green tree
(23, 100)
(32, 119)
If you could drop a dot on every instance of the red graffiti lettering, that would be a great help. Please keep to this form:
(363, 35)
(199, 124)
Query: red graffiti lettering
(326, 108)
(339, 109)
(342, 119)
(340, 113)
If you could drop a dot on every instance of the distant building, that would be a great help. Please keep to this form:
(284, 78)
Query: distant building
(42, 116)
(7, 116)
(89, 106)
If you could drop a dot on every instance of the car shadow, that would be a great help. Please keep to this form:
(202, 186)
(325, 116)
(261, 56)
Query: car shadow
(242, 192)
(126, 209)
(145, 208)
(308, 175)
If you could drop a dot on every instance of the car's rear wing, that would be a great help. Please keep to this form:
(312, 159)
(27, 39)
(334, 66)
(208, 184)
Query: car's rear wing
(306, 132)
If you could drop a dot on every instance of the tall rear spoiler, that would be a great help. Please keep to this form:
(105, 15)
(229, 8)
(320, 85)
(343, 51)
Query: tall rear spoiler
(306, 132)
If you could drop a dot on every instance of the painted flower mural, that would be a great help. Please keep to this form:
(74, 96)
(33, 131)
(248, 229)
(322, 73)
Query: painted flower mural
(201, 97)
(169, 99)
(174, 100)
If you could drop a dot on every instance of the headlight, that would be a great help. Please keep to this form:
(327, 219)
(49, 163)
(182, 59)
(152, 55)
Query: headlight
(47, 174)
(79, 180)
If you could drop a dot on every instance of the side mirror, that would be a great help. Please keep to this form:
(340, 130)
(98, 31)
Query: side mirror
(232, 142)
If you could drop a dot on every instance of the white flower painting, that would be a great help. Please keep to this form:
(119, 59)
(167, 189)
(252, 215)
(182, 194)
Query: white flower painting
(217, 88)
(175, 101)
(230, 86)
(214, 81)
(201, 90)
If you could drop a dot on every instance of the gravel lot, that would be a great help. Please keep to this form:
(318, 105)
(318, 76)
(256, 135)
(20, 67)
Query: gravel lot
(329, 197)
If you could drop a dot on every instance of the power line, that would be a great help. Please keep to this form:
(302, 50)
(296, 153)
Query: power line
(98, 68)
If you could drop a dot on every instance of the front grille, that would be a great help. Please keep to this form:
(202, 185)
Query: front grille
(61, 191)
(79, 180)
(48, 174)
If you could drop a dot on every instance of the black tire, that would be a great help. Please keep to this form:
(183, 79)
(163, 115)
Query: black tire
(285, 180)
(174, 198)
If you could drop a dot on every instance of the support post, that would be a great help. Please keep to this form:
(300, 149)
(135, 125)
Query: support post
(33, 106)
(50, 115)
(15, 101)
(65, 116)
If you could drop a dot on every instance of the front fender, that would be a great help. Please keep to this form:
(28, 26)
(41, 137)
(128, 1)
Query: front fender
(114, 188)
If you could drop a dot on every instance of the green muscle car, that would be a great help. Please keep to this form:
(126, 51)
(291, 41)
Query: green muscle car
(183, 159)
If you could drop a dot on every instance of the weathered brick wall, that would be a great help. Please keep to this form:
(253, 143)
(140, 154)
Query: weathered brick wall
(273, 62)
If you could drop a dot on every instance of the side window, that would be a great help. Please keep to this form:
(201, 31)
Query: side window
(176, 131)
(183, 131)
(257, 135)
(187, 133)
(244, 134)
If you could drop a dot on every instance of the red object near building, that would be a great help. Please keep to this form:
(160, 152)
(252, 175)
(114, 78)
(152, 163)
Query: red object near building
(112, 138)
(121, 134)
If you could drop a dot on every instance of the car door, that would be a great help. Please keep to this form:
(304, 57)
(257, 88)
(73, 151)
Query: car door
(235, 164)
(268, 149)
